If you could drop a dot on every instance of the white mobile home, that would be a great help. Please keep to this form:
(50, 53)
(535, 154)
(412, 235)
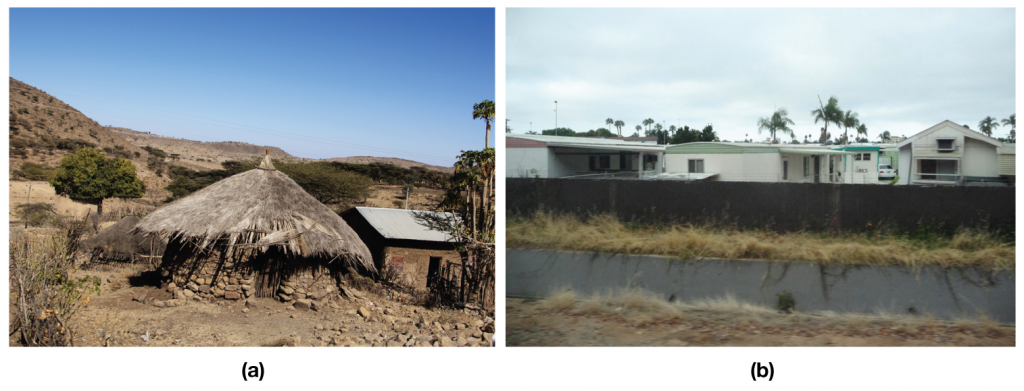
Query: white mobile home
(950, 154)
(537, 156)
(750, 162)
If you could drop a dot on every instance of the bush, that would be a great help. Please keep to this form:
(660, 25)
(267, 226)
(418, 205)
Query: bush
(786, 302)
(35, 172)
(44, 295)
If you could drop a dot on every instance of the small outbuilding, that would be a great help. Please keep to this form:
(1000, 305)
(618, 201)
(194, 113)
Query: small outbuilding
(118, 244)
(255, 234)
(402, 245)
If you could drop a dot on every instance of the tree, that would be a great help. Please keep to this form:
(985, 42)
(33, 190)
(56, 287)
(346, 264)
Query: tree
(638, 127)
(849, 120)
(88, 176)
(1012, 122)
(986, 125)
(885, 137)
(618, 125)
(470, 198)
(485, 110)
(830, 113)
(610, 122)
(648, 122)
(862, 129)
(326, 182)
(777, 122)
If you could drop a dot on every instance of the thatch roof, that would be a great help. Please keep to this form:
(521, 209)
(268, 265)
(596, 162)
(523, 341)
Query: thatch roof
(117, 242)
(259, 209)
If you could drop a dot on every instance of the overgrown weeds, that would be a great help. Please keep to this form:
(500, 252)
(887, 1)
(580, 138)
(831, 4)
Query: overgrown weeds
(605, 233)
(47, 297)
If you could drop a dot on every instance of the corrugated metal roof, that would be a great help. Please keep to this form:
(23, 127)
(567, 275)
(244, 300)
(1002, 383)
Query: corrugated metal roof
(401, 224)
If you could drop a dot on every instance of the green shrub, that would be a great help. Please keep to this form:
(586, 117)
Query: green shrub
(786, 302)
(35, 172)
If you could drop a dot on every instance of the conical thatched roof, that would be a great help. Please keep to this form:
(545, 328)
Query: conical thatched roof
(260, 208)
(117, 242)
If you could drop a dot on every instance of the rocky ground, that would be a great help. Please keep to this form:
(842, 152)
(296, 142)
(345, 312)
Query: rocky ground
(582, 323)
(125, 315)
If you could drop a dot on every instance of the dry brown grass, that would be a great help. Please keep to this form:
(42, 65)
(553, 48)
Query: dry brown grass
(607, 234)
(642, 308)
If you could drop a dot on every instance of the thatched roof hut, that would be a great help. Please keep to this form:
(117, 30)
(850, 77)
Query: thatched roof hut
(117, 243)
(256, 222)
(259, 208)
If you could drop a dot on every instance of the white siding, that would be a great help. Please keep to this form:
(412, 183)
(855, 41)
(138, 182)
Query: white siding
(527, 162)
(979, 159)
(904, 170)
(749, 167)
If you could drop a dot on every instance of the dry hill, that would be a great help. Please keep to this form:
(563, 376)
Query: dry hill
(43, 129)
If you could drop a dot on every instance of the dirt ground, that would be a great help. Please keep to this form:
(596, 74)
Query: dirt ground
(43, 192)
(114, 318)
(568, 322)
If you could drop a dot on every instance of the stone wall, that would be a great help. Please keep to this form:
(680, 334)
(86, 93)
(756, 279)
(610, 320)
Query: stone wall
(308, 288)
(412, 264)
(215, 277)
(207, 279)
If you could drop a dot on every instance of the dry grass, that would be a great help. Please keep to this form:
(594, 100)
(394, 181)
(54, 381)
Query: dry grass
(607, 234)
(642, 308)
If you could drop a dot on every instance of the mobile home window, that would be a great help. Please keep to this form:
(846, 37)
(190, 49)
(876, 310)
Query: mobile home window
(946, 144)
(807, 166)
(696, 165)
(785, 170)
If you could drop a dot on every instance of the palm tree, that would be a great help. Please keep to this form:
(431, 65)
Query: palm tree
(648, 122)
(485, 110)
(863, 130)
(986, 125)
(885, 137)
(777, 123)
(638, 127)
(849, 120)
(657, 132)
(618, 125)
(609, 122)
(1012, 121)
(830, 113)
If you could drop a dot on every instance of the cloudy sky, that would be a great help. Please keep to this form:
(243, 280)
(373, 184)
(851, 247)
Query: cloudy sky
(901, 70)
(318, 83)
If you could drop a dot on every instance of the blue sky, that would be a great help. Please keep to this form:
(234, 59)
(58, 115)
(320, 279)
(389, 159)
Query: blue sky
(318, 83)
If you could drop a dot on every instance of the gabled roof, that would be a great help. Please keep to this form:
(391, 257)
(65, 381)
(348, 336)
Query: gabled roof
(401, 224)
(967, 133)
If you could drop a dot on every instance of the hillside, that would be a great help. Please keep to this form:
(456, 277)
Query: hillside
(198, 154)
(42, 130)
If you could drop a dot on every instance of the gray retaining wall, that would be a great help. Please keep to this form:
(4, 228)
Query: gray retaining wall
(945, 293)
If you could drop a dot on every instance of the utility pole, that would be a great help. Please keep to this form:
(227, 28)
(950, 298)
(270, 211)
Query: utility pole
(26, 204)
(556, 118)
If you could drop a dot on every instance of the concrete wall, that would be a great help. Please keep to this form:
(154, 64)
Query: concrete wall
(939, 292)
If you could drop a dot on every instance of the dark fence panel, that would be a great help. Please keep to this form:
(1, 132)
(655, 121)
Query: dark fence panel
(777, 206)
